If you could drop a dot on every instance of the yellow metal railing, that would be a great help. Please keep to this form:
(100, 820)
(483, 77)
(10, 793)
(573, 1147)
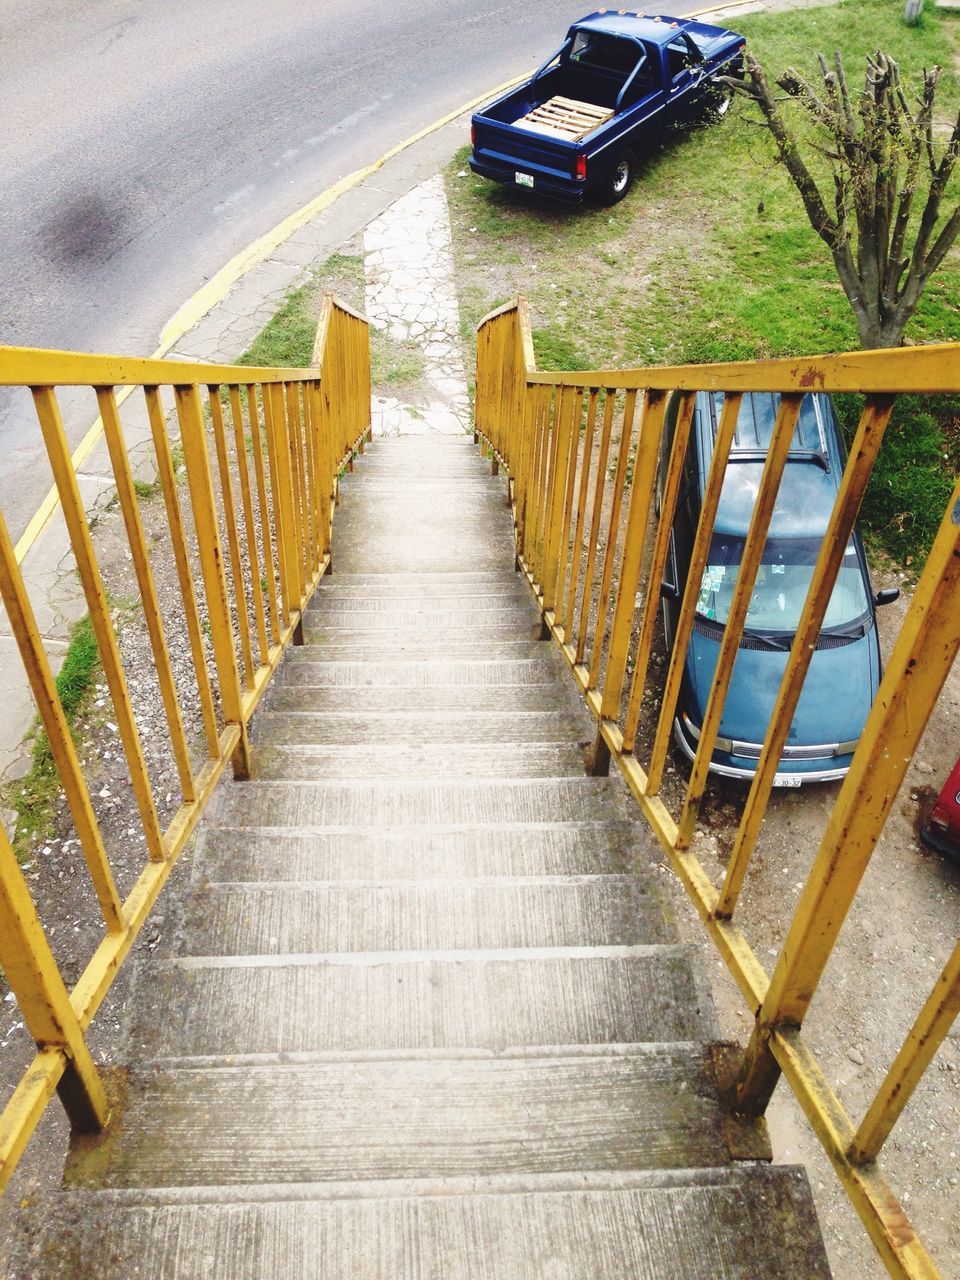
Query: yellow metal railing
(262, 451)
(581, 450)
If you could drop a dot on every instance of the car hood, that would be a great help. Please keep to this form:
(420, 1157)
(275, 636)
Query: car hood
(837, 694)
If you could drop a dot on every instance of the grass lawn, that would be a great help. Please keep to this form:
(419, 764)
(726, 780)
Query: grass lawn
(287, 339)
(711, 257)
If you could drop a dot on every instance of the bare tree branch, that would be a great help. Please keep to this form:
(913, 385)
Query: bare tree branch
(884, 159)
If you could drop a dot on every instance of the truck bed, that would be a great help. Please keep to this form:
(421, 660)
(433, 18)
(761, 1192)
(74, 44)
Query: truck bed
(561, 117)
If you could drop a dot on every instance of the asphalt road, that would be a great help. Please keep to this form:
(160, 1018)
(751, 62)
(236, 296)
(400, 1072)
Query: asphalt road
(144, 145)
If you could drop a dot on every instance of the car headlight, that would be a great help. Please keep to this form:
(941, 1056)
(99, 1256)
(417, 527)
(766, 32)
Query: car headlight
(721, 744)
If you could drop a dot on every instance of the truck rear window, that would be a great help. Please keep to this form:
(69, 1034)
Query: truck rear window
(596, 50)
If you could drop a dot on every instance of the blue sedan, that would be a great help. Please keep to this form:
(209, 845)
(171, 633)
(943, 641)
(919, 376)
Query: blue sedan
(844, 672)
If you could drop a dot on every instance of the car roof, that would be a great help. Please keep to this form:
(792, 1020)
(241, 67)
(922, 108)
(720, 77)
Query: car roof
(810, 479)
(652, 28)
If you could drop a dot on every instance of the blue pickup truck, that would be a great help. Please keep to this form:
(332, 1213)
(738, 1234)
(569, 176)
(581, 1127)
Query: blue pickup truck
(617, 85)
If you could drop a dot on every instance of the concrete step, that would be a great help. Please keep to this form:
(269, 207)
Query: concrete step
(339, 596)
(368, 1003)
(466, 584)
(493, 640)
(389, 699)
(293, 728)
(303, 668)
(576, 848)
(398, 760)
(407, 616)
(314, 1120)
(739, 1224)
(375, 805)
(316, 917)
(422, 648)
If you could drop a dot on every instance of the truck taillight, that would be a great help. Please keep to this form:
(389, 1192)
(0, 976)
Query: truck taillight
(580, 169)
(939, 819)
(473, 135)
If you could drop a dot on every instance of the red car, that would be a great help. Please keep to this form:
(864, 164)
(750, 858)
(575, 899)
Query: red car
(943, 830)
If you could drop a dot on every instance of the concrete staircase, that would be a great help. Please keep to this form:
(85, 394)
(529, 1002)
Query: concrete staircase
(427, 1016)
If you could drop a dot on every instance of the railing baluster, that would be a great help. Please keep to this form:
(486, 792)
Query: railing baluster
(278, 456)
(298, 490)
(922, 656)
(863, 453)
(51, 425)
(129, 507)
(269, 567)
(168, 484)
(577, 552)
(311, 474)
(596, 514)
(917, 1052)
(249, 527)
(562, 459)
(43, 686)
(31, 970)
(776, 460)
(233, 534)
(573, 457)
(638, 516)
(193, 439)
(543, 454)
(698, 559)
(613, 531)
(658, 560)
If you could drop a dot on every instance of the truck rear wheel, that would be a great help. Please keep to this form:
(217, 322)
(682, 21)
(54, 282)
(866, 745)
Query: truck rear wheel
(620, 180)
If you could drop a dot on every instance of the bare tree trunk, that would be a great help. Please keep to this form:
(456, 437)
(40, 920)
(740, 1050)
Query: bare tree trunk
(878, 148)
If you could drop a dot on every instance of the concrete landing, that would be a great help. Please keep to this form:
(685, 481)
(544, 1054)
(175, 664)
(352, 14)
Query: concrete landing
(427, 1017)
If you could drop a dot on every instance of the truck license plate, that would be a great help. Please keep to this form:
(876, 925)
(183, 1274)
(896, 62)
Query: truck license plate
(524, 179)
(787, 780)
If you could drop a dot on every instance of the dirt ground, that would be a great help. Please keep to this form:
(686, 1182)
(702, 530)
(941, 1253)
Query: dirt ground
(891, 950)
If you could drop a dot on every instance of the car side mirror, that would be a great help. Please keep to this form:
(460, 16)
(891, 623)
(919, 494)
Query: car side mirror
(887, 596)
(668, 591)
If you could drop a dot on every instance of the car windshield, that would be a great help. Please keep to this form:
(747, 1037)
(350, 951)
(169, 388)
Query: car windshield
(782, 583)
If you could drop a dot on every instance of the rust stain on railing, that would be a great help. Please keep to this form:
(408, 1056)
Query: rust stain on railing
(571, 537)
(309, 422)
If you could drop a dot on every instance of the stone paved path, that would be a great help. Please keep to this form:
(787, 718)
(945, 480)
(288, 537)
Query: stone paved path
(411, 292)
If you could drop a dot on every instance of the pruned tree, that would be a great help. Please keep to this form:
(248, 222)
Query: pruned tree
(890, 173)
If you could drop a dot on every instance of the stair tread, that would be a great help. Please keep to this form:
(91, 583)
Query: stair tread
(410, 671)
(421, 915)
(737, 1224)
(411, 1001)
(418, 759)
(636, 1107)
(375, 804)
(301, 726)
(418, 852)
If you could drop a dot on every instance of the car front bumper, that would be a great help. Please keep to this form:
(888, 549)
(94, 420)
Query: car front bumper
(730, 766)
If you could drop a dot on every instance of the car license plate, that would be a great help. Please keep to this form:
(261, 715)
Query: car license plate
(524, 179)
(787, 780)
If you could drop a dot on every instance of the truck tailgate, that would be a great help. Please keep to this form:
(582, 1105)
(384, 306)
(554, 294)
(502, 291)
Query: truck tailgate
(507, 146)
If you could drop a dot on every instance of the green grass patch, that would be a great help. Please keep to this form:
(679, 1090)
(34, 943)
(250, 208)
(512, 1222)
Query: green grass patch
(34, 796)
(286, 341)
(711, 258)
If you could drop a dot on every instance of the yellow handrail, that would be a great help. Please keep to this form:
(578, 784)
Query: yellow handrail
(542, 427)
(309, 422)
